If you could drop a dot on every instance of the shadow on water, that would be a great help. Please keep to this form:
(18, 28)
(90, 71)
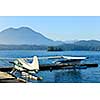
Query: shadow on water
(72, 76)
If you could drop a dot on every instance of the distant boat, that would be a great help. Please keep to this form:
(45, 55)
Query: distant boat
(52, 48)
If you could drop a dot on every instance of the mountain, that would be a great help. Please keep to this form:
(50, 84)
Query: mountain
(25, 38)
(88, 43)
(83, 45)
(70, 41)
(24, 35)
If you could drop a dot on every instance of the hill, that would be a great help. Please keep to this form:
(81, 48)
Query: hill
(25, 38)
(24, 35)
(83, 45)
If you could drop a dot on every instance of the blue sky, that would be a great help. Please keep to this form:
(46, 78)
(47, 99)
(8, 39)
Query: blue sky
(57, 28)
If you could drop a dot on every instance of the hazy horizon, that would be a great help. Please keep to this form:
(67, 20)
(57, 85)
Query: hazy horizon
(63, 28)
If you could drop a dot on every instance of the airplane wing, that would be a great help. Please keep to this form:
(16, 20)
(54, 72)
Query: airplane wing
(29, 66)
(77, 58)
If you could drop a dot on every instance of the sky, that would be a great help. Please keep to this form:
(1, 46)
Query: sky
(62, 28)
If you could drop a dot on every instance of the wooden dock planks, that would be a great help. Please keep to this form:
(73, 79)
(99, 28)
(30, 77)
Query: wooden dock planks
(4, 75)
(7, 78)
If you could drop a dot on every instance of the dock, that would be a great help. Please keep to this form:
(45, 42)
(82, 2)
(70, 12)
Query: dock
(7, 78)
(66, 66)
(57, 67)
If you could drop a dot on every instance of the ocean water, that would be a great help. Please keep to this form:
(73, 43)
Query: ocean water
(89, 75)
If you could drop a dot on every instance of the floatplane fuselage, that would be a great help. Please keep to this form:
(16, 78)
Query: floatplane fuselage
(69, 60)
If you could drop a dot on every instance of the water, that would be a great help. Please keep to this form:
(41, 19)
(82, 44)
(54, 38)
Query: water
(90, 75)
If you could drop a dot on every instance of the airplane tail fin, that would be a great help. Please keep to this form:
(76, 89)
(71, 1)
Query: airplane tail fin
(35, 63)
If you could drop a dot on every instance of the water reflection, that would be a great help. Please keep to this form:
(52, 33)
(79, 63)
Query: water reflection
(68, 76)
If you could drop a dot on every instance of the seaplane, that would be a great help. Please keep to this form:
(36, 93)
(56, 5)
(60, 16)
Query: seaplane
(27, 70)
(67, 59)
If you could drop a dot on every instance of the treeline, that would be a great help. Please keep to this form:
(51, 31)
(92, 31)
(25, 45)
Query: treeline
(22, 47)
(73, 47)
(78, 46)
(90, 45)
